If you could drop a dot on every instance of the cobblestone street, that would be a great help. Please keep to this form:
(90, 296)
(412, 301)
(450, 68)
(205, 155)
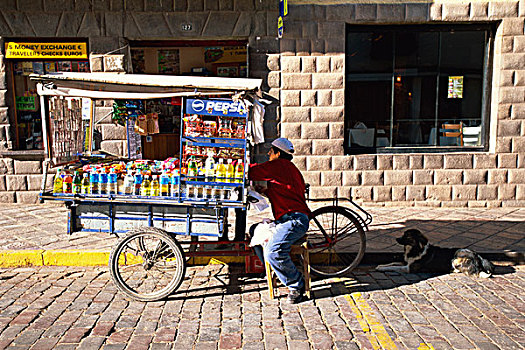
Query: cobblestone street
(219, 308)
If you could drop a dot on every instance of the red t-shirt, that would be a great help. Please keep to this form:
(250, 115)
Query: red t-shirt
(285, 186)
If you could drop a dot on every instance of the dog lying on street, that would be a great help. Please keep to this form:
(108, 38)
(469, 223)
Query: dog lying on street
(420, 256)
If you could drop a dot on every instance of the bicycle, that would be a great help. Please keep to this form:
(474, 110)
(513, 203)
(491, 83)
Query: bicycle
(336, 237)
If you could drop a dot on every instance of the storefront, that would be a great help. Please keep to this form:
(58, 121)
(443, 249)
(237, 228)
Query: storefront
(40, 56)
(390, 102)
(226, 58)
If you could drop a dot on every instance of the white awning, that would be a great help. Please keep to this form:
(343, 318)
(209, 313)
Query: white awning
(144, 83)
(50, 90)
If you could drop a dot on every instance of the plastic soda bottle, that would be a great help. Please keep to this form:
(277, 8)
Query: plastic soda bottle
(164, 184)
(84, 185)
(175, 184)
(77, 183)
(102, 182)
(199, 189)
(120, 184)
(155, 186)
(221, 177)
(209, 166)
(221, 171)
(128, 183)
(239, 172)
(58, 182)
(192, 174)
(230, 171)
(93, 179)
(146, 186)
(112, 182)
(192, 168)
(67, 184)
(137, 183)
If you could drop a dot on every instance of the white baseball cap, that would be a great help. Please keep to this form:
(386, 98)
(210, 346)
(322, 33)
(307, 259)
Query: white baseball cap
(283, 144)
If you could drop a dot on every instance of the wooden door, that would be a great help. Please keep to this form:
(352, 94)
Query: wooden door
(162, 146)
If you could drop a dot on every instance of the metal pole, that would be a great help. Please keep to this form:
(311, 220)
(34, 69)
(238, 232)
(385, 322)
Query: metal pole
(45, 164)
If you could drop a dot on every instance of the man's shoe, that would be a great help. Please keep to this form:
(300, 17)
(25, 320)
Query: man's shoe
(295, 296)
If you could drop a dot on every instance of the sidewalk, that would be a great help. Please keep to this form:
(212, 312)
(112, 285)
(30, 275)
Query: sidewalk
(42, 228)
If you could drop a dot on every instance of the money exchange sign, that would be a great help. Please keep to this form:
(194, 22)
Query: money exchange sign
(27, 50)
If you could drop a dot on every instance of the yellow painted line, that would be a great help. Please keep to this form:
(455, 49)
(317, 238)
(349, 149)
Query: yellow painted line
(23, 258)
(16, 258)
(75, 258)
(371, 326)
(424, 346)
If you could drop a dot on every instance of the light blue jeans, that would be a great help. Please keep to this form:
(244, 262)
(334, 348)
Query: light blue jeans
(289, 229)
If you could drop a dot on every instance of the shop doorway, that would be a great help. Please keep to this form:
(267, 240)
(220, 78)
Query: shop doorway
(212, 58)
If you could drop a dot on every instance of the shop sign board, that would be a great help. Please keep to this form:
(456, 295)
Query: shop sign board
(280, 27)
(225, 54)
(25, 103)
(28, 50)
(283, 8)
(227, 108)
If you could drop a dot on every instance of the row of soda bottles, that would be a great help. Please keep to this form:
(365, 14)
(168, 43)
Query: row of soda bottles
(98, 182)
(211, 171)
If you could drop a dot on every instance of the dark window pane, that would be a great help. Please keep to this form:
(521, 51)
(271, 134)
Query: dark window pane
(417, 51)
(369, 103)
(462, 50)
(369, 52)
(399, 77)
(414, 109)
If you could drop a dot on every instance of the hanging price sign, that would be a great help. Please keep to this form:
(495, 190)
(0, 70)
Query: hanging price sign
(283, 8)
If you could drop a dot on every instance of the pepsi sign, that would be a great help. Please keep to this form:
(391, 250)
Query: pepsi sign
(226, 108)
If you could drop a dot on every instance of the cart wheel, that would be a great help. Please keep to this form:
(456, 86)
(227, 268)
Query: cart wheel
(147, 264)
(337, 239)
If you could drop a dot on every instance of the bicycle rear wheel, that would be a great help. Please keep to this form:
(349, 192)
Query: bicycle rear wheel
(337, 241)
(147, 264)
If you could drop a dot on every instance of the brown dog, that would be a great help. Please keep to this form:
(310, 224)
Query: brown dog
(420, 256)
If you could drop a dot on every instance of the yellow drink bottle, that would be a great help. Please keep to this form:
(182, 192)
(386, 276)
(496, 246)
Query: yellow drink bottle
(146, 186)
(155, 186)
(230, 171)
(239, 172)
(58, 182)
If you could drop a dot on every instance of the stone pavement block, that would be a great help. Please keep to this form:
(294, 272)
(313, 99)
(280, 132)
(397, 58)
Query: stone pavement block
(253, 346)
(275, 341)
(74, 335)
(230, 341)
(252, 334)
(345, 345)
(296, 332)
(92, 342)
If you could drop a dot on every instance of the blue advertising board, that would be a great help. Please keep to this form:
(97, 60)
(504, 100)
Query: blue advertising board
(226, 108)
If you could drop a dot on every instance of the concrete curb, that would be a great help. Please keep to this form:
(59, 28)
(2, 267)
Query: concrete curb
(24, 258)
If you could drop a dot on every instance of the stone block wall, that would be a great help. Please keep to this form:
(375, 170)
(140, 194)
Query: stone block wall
(312, 67)
(304, 73)
(109, 25)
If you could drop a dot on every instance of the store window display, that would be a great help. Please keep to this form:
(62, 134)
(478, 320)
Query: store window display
(23, 59)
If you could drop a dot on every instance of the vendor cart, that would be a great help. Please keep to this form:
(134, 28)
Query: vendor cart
(216, 127)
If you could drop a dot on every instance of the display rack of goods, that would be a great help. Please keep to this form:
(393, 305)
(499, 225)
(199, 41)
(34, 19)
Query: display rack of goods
(133, 178)
(213, 150)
